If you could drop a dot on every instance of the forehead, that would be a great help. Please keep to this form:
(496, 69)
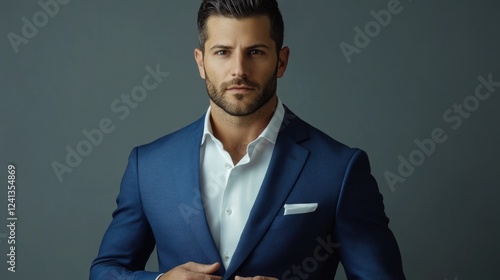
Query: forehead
(248, 30)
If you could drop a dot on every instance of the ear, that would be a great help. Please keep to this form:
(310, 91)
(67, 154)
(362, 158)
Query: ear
(198, 56)
(283, 61)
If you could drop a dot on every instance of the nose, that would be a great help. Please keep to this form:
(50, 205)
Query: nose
(240, 65)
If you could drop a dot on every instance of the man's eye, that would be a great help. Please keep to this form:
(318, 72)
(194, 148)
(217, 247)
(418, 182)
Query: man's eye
(254, 52)
(221, 52)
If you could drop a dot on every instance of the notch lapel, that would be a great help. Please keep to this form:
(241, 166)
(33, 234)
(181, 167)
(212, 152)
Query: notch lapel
(190, 194)
(285, 166)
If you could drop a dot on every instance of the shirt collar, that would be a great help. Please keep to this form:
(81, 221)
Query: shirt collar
(270, 132)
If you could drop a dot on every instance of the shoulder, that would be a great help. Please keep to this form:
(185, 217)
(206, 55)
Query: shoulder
(316, 141)
(181, 140)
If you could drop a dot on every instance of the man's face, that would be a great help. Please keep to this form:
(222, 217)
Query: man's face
(240, 64)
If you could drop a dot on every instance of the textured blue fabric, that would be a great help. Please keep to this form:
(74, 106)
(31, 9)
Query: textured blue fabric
(160, 204)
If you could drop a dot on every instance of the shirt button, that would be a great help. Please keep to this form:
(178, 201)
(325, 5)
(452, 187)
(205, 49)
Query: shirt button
(226, 257)
(229, 211)
(227, 165)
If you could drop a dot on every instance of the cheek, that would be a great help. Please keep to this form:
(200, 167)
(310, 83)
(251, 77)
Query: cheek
(267, 74)
(216, 75)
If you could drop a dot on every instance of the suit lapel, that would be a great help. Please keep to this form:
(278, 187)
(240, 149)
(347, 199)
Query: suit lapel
(190, 194)
(285, 166)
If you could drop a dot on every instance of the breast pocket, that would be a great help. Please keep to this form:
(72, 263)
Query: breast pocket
(283, 221)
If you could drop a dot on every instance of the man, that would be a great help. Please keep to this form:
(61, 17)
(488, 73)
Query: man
(249, 190)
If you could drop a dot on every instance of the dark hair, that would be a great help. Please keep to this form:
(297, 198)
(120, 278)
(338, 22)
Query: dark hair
(241, 9)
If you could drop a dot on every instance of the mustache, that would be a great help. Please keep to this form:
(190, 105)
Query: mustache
(239, 82)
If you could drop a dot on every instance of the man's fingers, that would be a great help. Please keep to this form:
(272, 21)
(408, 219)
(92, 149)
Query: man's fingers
(193, 271)
(255, 278)
(201, 268)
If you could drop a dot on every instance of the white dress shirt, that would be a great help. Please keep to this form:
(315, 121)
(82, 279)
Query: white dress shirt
(229, 191)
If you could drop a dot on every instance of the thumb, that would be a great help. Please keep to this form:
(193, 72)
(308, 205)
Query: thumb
(202, 268)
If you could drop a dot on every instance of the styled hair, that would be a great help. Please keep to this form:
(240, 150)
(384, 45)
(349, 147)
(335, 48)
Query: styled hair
(241, 9)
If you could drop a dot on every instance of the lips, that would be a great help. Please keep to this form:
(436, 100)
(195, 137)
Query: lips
(240, 87)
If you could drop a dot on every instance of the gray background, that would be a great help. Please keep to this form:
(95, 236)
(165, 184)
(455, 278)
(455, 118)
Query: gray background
(445, 215)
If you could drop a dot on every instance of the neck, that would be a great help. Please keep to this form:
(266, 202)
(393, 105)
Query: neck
(237, 132)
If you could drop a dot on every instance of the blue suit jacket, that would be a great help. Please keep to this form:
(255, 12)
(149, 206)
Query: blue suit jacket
(160, 204)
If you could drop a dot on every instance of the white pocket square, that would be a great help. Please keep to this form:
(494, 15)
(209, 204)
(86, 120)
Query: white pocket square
(301, 208)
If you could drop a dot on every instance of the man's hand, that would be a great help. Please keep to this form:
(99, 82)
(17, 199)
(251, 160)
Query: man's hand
(192, 271)
(255, 278)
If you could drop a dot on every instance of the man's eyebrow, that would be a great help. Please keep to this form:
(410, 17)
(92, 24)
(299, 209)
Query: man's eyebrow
(225, 47)
(256, 46)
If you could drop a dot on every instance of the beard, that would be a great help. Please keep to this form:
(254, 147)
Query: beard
(237, 106)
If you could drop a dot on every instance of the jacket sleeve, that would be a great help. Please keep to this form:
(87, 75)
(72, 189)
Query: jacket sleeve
(129, 241)
(368, 249)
